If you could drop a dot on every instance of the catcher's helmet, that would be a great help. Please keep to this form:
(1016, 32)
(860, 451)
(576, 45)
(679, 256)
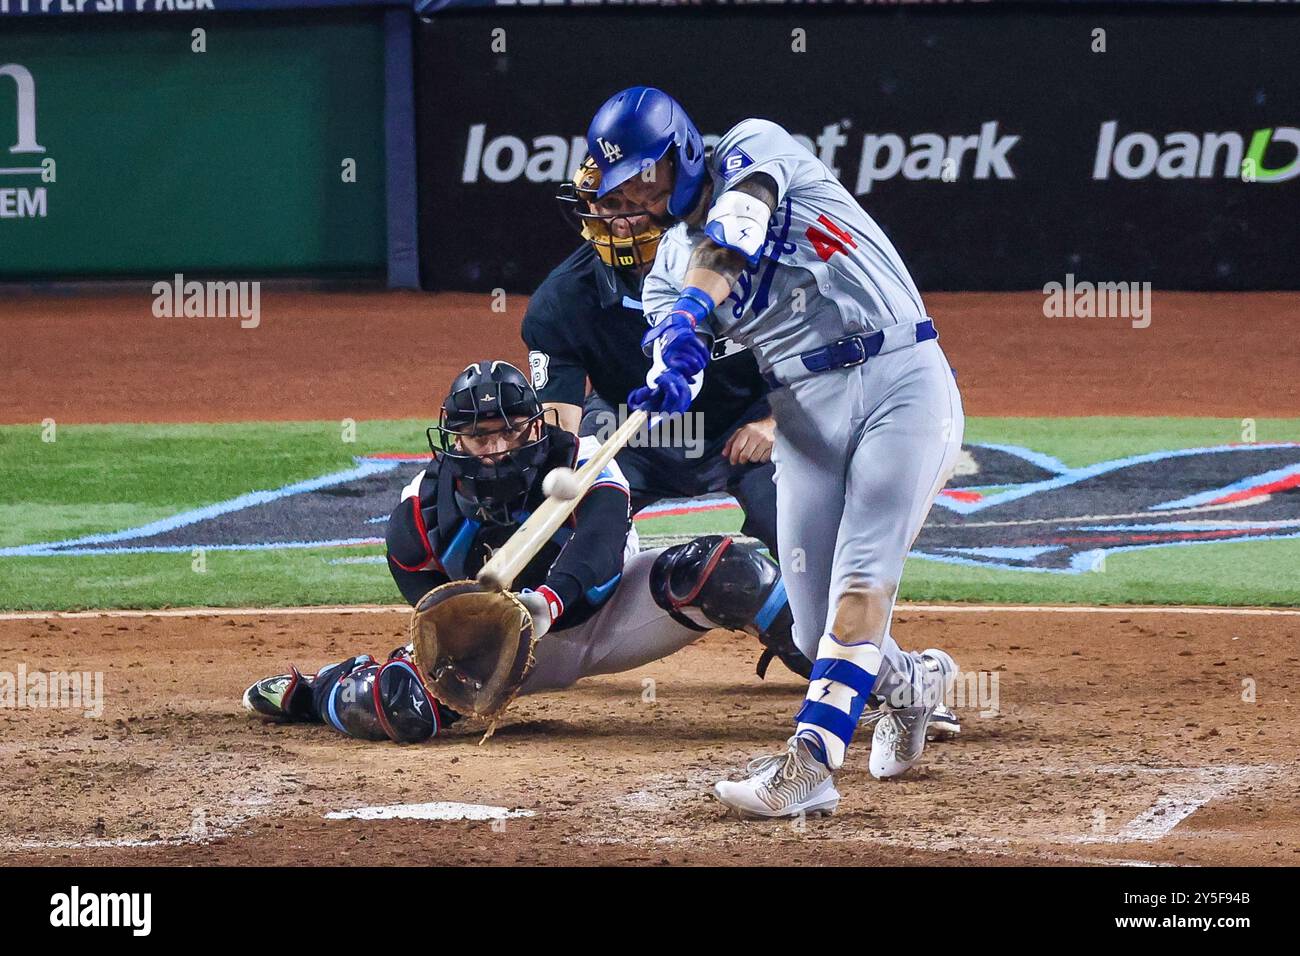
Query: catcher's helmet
(624, 252)
(495, 485)
(640, 126)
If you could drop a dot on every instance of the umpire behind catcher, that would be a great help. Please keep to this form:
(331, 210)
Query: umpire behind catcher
(585, 322)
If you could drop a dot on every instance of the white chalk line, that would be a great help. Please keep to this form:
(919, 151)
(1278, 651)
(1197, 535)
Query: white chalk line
(438, 810)
(199, 837)
(343, 609)
(1153, 824)
(1182, 799)
(1096, 609)
(401, 811)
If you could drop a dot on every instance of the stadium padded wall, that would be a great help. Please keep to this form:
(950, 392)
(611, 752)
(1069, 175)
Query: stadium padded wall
(999, 148)
(170, 160)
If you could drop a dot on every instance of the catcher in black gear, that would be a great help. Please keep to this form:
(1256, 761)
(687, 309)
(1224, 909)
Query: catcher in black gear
(599, 604)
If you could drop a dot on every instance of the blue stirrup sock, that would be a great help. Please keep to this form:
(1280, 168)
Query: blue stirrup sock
(842, 679)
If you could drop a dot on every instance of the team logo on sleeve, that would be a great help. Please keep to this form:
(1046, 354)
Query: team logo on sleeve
(735, 160)
(539, 363)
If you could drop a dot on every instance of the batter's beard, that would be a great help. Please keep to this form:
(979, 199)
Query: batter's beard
(695, 215)
(665, 221)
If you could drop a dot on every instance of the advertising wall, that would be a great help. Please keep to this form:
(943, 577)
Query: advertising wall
(999, 150)
(124, 150)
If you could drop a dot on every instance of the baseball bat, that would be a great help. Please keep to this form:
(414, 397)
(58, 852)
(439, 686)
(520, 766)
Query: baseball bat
(512, 557)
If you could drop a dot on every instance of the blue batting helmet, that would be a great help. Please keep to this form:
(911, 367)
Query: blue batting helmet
(640, 125)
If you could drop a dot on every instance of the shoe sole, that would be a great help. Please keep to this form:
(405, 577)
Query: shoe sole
(819, 810)
(822, 808)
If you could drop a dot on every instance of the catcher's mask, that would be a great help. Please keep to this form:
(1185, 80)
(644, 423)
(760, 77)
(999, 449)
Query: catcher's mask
(580, 207)
(491, 434)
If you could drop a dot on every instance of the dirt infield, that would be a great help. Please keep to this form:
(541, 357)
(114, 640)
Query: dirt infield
(1127, 737)
(387, 354)
(1114, 738)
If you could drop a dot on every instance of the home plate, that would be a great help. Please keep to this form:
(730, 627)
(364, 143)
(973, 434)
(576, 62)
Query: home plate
(429, 811)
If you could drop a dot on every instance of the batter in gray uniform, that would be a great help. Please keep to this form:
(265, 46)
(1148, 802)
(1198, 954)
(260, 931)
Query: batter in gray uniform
(769, 249)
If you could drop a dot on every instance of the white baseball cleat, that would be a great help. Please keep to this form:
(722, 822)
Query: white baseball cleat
(944, 723)
(782, 785)
(900, 734)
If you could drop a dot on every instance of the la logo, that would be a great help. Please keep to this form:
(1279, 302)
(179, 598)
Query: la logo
(612, 151)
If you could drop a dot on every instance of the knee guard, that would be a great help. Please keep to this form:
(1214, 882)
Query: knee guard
(368, 700)
(733, 586)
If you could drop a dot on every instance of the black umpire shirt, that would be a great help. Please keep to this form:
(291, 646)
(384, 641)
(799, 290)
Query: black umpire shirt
(585, 321)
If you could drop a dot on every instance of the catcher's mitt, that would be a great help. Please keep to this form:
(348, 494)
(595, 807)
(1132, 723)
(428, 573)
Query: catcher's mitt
(472, 646)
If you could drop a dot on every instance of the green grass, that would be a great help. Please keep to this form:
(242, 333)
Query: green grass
(228, 579)
(1082, 441)
(97, 478)
(100, 478)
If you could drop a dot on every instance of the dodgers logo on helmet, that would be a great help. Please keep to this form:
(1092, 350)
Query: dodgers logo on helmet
(611, 151)
(636, 128)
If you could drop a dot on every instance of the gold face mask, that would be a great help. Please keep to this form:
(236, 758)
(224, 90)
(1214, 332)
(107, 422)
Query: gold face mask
(577, 199)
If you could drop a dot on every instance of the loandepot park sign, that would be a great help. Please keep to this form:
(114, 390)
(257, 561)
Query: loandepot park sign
(984, 153)
(981, 154)
(1189, 155)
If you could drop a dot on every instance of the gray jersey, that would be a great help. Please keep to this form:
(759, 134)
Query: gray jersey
(826, 270)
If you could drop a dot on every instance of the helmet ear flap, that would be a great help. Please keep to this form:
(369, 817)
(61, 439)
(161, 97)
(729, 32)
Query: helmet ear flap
(691, 149)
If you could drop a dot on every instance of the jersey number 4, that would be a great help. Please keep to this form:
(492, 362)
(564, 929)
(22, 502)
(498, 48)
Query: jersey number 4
(826, 246)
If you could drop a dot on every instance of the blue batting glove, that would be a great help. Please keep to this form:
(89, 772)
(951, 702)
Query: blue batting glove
(672, 393)
(683, 349)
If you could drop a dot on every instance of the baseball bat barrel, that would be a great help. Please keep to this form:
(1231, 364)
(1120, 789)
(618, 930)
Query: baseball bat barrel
(512, 557)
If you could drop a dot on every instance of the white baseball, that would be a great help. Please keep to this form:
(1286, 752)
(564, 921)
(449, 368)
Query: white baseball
(560, 483)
